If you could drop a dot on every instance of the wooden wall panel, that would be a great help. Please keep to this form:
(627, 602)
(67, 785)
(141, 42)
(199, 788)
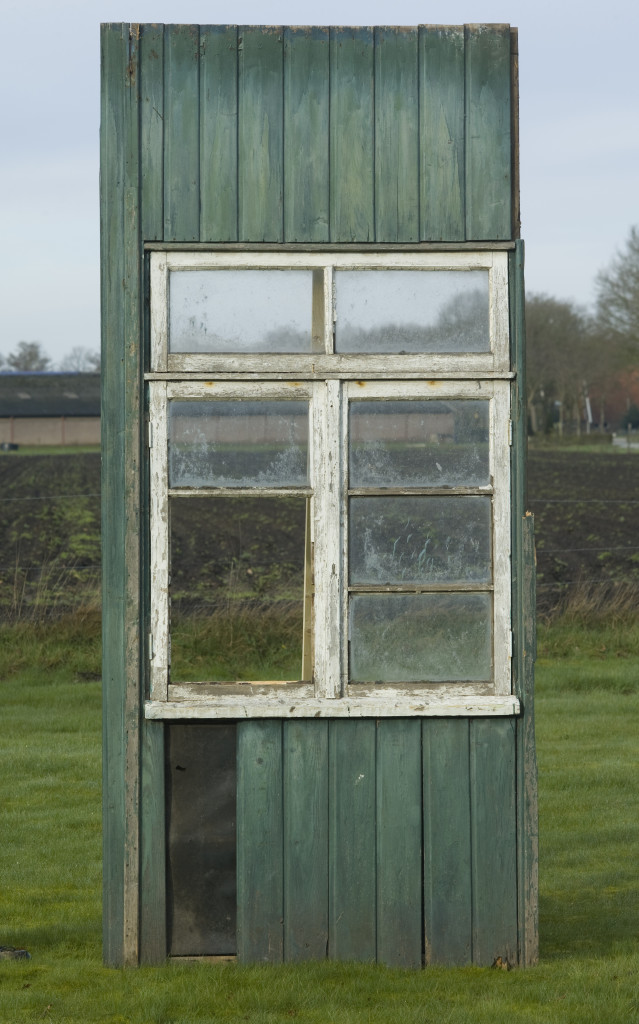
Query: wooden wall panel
(352, 152)
(396, 135)
(306, 124)
(152, 131)
(442, 93)
(261, 135)
(182, 133)
(352, 879)
(218, 132)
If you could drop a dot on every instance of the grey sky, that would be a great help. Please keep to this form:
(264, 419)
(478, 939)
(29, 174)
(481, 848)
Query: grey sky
(579, 140)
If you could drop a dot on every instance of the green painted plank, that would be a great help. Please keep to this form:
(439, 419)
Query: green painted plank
(352, 867)
(447, 852)
(441, 140)
(305, 777)
(261, 131)
(352, 127)
(399, 842)
(494, 840)
(153, 939)
(306, 121)
(218, 133)
(396, 135)
(260, 908)
(152, 131)
(181, 134)
(488, 133)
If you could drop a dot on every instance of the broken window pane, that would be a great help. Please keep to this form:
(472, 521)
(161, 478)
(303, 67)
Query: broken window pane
(237, 588)
(238, 444)
(420, 539)
(411, 443)
(412, 311)
(412, 638)
(240, 311)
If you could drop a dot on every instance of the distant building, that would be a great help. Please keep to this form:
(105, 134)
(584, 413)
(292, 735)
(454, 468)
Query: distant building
(49, 408)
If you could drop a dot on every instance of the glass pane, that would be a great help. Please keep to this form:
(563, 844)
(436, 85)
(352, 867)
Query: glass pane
(238, 444)
(237, 588)
(411, 638)
(412, 311)
(420, 540)
(419, 444)
(240, 310)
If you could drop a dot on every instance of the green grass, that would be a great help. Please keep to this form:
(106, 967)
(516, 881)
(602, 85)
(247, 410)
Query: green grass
(52, 449)
(587, 709)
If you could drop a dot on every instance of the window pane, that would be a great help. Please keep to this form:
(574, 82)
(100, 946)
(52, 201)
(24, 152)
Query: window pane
(412, 311)
(420, 540)
(411, 638)
(238, 444)
(240, 311)
(237, 588)
(419, 443)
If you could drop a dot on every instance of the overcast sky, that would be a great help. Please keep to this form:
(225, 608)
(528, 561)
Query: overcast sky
(579, 91)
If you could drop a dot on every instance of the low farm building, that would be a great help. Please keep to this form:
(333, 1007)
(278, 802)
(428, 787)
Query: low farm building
(49, 408)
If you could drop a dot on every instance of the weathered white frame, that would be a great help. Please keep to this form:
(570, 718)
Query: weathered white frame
(327, 380)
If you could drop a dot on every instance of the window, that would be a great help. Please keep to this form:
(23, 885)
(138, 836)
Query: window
(330, 475)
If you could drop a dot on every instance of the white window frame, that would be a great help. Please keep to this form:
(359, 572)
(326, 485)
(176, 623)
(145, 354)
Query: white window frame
(328, 381)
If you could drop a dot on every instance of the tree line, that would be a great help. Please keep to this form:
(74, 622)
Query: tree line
(30, 357)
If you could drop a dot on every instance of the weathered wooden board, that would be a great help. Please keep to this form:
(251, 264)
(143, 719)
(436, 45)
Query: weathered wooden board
(305, 797)
(218, 132)
(352, 872)
(352, 121)
(396, 135)
(152, 131)
(442, 145)
(260, 835)
(447, 842)
(261, 134)
(182, 133)
(306, 120)
(399, 842)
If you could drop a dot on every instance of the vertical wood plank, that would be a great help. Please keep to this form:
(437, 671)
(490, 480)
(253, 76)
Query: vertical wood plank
(441, 138)
(352, 867)
(306, 124)
(396, 135)
(494, 840)
(399, 842)
(152, 131)
(181, 134)
(260, 900)
(447, 855)
(260, 140)
(218, 133)
(351, 135)
(153, 940)
(305, 839)
(488, 124)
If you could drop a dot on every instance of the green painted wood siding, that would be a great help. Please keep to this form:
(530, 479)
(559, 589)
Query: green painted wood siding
(326, 135)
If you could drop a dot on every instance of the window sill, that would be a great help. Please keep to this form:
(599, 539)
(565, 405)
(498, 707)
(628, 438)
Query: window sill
(284, 706)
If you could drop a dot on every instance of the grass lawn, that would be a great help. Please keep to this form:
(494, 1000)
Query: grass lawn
(587, 712)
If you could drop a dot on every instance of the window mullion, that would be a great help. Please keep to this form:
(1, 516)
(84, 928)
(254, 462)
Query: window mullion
(159, 514)
(328, 538)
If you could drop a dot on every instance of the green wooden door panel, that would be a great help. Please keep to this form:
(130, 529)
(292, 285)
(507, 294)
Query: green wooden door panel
(261, 135)
(396, 135)
(351, 135)
(182, 134)
(260, 883)
(305, 839)
(399, 842)
(153, 939)
(442, 146)
(488, 143)
(447, 849)
(152, 131)
(306, 120)
(218, 133)
(352, 867)
(493, 834)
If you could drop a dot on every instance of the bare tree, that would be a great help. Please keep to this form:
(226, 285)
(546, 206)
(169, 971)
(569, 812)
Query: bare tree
(81, 360)
(29, 355)
(618, 296)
